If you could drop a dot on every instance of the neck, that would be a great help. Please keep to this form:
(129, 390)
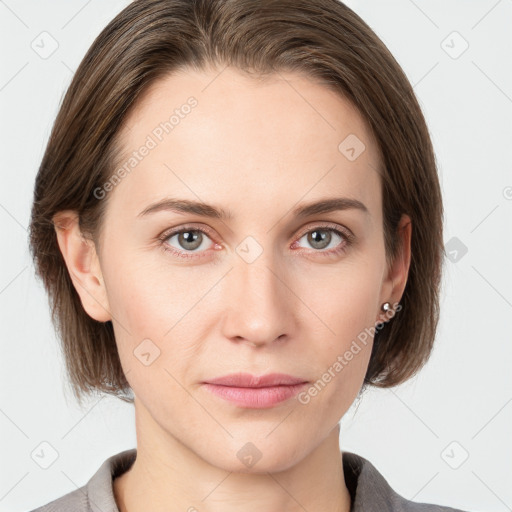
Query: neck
(168, 476)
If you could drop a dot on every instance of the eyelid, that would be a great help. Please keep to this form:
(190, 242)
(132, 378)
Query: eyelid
(185, 227)
(330, 225)
(306, 229)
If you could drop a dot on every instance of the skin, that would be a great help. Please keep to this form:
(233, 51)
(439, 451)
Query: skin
(257, 149)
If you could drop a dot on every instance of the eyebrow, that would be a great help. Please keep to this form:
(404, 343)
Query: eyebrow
(207, 210)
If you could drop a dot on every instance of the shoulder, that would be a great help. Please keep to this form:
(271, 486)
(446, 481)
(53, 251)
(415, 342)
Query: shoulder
(75, 500)
(370, 490)
(97, 495)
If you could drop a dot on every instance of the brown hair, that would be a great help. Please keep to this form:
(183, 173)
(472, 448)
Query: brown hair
(322, 39)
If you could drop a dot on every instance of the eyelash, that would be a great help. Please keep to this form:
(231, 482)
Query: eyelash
(347, 236)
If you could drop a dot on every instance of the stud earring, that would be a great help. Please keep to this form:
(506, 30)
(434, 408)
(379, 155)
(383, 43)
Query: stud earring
(386, 306)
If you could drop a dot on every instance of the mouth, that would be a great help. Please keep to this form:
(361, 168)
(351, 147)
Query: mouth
(255, 392)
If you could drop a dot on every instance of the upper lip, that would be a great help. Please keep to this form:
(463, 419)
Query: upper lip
(247, 380)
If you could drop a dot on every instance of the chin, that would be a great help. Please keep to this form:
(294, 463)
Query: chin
(255, 457)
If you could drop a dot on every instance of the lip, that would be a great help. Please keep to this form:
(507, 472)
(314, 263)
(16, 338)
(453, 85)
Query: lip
(253, 391)
(247, 380)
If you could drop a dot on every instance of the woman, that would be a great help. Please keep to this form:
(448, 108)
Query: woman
(238, 221)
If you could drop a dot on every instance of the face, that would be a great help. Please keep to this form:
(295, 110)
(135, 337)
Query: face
(247, 284)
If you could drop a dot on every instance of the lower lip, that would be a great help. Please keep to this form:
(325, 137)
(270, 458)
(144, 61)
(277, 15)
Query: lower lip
(255, 398)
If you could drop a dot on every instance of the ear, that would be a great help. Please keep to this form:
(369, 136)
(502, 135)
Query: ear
(394, 285)
(83, 265)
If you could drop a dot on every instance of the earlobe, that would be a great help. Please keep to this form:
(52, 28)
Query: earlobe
(83, 265)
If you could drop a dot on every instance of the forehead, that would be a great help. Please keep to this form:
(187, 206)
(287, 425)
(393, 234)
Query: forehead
(221, 135)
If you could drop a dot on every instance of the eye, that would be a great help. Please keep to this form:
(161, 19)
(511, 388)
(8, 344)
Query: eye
(186, 242)
(326, 239)
(192, 242)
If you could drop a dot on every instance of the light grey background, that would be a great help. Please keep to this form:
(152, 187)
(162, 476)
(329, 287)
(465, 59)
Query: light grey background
(419, 434)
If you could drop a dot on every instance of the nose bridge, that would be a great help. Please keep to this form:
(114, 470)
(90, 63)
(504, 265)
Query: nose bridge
(257, 295)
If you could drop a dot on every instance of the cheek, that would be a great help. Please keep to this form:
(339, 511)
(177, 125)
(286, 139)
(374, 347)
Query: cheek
(343, 301)
(157, 328)
(149, 299)
(151, 339)
(344, 304)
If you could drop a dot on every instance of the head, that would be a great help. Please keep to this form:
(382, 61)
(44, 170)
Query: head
(257, 110)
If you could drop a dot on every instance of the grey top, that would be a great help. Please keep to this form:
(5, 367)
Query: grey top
(368, 489)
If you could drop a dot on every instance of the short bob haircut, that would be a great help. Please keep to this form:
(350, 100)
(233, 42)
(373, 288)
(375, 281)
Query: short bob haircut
(321, 39)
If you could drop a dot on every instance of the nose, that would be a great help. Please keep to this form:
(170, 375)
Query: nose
(260, 306)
